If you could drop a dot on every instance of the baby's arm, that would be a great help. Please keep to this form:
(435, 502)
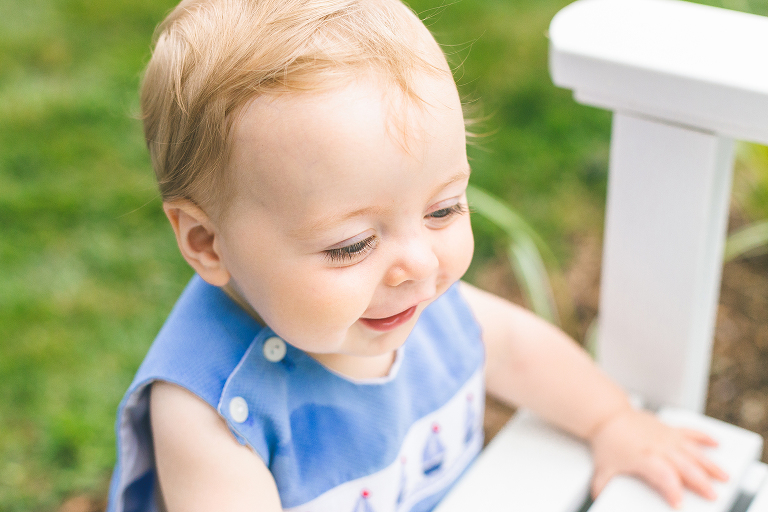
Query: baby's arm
(532, 364)
(200, 465)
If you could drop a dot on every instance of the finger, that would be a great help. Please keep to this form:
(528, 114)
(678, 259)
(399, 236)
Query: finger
(662, 476)
(693, 476)
(706, 463)
(699, 437)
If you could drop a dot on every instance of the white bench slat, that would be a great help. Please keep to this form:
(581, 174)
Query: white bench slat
(531, 465)
(528, 466)
(760, 503)
(756, 476)
(737, 450)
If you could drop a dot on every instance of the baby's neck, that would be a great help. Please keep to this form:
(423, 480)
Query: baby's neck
(358, 367)
(240, 301)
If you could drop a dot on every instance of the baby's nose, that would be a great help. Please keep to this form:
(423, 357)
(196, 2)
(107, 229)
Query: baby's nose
(416, 261)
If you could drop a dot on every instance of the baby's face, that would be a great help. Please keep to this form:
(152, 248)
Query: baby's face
(340, 234)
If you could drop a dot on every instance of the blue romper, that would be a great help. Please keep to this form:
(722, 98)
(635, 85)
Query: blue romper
(332, 444)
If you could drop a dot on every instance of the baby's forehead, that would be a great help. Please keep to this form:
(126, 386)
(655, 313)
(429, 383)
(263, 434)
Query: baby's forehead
(283, 122)
(303, 145)
(312, 130)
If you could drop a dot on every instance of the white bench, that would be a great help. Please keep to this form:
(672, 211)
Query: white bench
(683, 81)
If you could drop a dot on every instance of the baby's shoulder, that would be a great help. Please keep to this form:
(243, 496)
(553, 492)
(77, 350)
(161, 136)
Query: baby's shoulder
(199, 460)
(201, 343)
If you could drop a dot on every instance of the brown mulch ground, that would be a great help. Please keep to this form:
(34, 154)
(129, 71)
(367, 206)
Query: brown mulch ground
(738, 390)
(738, 384)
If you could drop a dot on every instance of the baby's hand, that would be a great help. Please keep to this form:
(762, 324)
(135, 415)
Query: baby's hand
(668, 459)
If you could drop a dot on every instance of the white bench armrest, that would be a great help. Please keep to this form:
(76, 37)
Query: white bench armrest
(760, 503)
(681, 62)
(737, 450)
(529, 466)
(532, 466)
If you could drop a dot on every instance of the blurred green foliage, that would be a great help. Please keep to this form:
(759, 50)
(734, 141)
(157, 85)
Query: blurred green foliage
(751, 193)
(89, 266)
(526, 252)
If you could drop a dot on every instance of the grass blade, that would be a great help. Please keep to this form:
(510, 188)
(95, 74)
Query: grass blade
(746, 240)
(524, 252)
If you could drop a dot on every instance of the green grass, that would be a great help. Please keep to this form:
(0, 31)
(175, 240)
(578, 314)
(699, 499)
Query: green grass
(89, 265)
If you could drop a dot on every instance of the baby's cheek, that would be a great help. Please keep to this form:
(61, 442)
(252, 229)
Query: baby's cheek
(321, 307)
(458, 250)
(468, 249)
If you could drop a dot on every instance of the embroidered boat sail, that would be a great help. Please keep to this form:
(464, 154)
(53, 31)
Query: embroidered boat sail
(362, 502)
(434, 452)
(470, 421)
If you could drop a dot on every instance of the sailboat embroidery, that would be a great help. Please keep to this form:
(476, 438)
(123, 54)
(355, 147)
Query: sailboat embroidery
(362, 502)
(403, 481)
(434, 452)
(470, 422)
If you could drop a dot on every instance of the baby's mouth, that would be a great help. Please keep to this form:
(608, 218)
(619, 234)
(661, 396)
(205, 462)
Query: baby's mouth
(390, 322)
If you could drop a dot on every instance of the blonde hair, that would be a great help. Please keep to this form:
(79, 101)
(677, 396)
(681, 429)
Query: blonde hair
(212, 57)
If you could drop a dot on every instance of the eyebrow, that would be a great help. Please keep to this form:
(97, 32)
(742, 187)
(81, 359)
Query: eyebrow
(330, 220)
(326, 222)
(463, 174)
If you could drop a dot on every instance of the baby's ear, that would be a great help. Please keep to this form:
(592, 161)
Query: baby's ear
(196, 236)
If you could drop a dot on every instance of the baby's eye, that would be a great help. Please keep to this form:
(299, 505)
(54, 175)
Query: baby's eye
(351, 252)
(443, 216)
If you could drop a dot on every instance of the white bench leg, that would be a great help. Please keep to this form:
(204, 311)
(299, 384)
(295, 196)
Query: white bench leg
(668, 196)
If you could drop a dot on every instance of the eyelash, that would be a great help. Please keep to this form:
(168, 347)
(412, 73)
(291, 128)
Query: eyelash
(352, 251)
(445, 213)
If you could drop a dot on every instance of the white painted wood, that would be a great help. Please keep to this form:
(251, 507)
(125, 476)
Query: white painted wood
(528, 466)
(677, 61)
(683, 81)
(760, 503)
(531, 465)
(668, 190)
(756, 476)
(692, 73)
(737, 451)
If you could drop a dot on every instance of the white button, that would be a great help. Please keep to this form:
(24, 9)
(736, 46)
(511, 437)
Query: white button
(238, 409)
(274, 349)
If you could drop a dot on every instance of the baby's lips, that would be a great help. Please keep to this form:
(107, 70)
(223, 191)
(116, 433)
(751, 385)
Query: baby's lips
(390, 322)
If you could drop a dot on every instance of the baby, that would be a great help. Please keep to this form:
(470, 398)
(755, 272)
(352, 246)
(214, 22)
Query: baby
(311, 159)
